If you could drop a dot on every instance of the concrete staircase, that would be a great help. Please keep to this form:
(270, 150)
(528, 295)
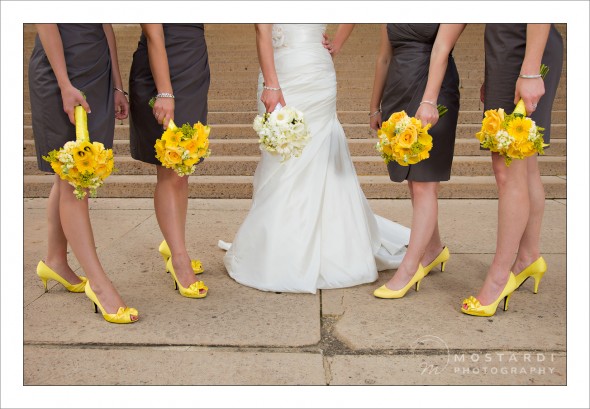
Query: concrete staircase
(232, 107)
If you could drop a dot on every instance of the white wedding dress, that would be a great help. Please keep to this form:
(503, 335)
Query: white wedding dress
(310, 226)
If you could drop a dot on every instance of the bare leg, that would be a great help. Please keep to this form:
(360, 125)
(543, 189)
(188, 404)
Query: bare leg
(171, 202)
(513, 213)
(424, 217)
(528, 250)
(75, 220)
(57, 244)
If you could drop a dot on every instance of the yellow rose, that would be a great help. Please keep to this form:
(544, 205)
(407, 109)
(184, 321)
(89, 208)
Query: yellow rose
(408, 136)
(160, 147)
(193, 159)
(172, 157)
(396, 117)
(492, 121)
(202, 133)
(190, 145)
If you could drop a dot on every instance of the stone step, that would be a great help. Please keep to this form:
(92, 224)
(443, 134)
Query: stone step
(357, 147)
(365, 165)
(237, 187)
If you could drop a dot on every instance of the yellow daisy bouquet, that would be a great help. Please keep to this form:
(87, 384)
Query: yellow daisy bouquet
(84, 164)
(181, 149)
(513, 136)
(404, 140)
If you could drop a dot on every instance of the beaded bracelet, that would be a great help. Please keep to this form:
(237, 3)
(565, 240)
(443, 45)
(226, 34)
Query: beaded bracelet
(375, 113)
(165, 95)
(429, 103)
(122, 91)
(270, 88)
(530, 76)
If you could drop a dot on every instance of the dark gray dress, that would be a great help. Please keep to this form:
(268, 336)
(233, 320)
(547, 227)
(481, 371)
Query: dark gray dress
(406, 81)
(505, 45)
(88, 62)
(189, 73)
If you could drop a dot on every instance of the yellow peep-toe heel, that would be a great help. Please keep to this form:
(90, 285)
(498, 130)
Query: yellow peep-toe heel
(535, 270)
(472, 306)
(441, 259)
(165, 252)
(45, 273)
(193, 290)
(384, 292)
(123, 314)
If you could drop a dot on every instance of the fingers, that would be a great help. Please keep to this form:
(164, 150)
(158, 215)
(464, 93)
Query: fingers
(85, 105)
(70, 111)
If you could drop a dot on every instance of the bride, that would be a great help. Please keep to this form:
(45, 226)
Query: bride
(310, 226)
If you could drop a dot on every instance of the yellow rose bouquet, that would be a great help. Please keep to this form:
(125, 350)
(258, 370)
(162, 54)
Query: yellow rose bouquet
(84, 164)
(404, 140)
(181, 149)
(513, 136)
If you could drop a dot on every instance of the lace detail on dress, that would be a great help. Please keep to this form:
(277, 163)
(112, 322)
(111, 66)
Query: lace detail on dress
(278, 37)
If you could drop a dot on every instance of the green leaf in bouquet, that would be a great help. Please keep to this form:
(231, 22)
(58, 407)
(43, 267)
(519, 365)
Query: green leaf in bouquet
(544, 70)
(152, 102)
(442, 110)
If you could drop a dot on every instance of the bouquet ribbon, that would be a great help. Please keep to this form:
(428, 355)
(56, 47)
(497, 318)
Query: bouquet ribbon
(81, 120)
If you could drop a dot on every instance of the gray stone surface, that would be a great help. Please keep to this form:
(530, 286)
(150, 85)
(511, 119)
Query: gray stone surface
(477, 368)
(238, 335)
(170, 366)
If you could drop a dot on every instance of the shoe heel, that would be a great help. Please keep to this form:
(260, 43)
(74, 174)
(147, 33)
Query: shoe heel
(45, 284)
(537, 278)
(442, 266)
(506, 301)
(95, 307)
(418, 285)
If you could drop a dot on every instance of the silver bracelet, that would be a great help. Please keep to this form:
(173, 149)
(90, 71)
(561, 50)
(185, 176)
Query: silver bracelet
(122, 91)
(375, 113)
(429, 103)
(270, 88)
(530, 76)
(165, 95)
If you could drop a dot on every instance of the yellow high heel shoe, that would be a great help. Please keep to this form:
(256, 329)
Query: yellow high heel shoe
(384, 292)
(123, 314)
(166, 254)
(192, 291)
(535, 270)
(472, 306)
(45, 273)
(441, 259)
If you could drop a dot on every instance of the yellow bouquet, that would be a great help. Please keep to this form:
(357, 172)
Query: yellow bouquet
(403, 139)
(84, 164)
(182, 148)
(513, 136)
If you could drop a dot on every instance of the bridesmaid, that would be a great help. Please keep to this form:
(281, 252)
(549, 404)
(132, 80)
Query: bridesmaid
(171, 64)
(415, 71)
(67, 59)
(514, 53)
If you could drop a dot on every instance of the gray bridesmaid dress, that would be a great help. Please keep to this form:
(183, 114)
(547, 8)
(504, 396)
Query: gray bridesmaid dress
(88, 63)
(505, 45)
(189, 73)
(406, 81)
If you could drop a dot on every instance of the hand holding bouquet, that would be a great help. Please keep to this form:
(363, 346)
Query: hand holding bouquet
(84, 164)
(513, 136)
(283, 132)
(404, 140)
(182, 148)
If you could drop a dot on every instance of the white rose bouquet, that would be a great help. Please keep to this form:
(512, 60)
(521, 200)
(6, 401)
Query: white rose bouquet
(282, 132)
